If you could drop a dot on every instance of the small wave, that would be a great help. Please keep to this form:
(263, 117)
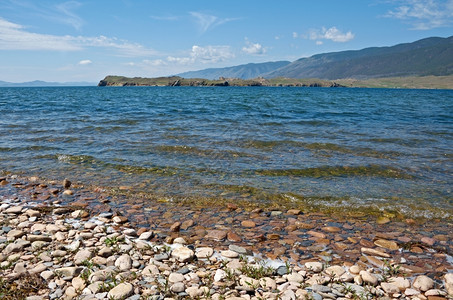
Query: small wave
(338, 171)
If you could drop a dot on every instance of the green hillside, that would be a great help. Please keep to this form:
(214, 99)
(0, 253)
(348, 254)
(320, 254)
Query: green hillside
(431, 56)
(247, 71)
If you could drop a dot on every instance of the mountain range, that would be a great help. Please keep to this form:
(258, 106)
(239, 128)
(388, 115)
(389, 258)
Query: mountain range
(247, 71)
(39, 83)
(429, 56)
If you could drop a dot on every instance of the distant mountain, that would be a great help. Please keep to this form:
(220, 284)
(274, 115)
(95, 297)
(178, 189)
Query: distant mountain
(247, 71)
(39, 83)
(430, 56)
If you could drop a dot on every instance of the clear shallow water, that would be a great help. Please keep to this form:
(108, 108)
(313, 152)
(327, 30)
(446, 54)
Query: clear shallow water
(356, 148)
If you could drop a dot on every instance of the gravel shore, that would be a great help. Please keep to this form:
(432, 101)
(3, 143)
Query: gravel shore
(61, 241)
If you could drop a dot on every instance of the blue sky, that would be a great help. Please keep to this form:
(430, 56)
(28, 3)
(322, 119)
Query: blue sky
(87, 40)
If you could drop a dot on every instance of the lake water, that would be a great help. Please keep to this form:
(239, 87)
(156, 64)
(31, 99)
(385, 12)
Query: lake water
(320, 147)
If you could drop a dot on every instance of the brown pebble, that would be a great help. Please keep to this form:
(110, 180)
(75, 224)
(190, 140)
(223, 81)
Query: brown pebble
(416, 249)
(273, 236)
(175, 227)
(331, 229)
(317, 234)
(187, 224)
(216, 235)
(366, 243)
(294, 212)
(391, 245)
(233, 237)
(248, 224)
(429, 241)
(232, 206)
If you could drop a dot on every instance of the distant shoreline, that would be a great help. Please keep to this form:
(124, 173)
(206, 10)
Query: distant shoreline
(415, 82)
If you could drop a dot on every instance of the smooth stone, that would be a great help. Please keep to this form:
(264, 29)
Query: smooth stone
(368, 277)
(216, 235)
(121, 291)
(178, 287)
(175, 277)
(391, 245)
(124, 262)
(390, 288)
(183, 254)
(354, 269)
(204, 252)
(295, 277)
(69, 271)
(119, 219)
(78, 283)
(70, 293)
(229, 254)
(105, 252)
(238, 249)
(187, 224)
(14, 234)
(146, 235)
(375, 252)
(411, 292)
(314, 266)
(74, 246)
(248, 224)
(335, 271)
(423, 283)
(43, 238)
(151, 270)
(321, 288)
(401, 282)
(179, 240)
(161, 256)
(82, 255)
(14, 210)
(282, 270)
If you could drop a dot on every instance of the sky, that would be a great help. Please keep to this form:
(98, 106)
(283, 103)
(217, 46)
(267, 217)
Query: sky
(85, 40)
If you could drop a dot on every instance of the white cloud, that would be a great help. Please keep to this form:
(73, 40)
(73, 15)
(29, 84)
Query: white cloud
(254, 48)
(208, 54)
(206, 22)
(154, 63)
(295, 35)
(85, 62)
(65, 14)
(424, 14)
(332, 34)
(14, 37)
(165, 18)
(319, 43)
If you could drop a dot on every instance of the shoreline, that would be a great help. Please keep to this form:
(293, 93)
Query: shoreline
(290, 237)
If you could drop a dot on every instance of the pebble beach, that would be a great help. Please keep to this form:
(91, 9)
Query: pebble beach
(64, 241)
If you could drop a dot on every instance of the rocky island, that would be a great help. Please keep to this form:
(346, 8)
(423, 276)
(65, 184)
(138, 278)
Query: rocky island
(222, 81)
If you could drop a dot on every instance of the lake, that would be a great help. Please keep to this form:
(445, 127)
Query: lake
(354, 149)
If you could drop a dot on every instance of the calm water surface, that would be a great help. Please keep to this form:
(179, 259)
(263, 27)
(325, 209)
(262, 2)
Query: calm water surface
(358, 148)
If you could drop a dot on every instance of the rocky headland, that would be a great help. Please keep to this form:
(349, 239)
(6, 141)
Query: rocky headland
(60, 240)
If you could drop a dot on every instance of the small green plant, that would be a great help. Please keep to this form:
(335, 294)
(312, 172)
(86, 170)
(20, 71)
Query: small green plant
(392, 269)
(256, 272)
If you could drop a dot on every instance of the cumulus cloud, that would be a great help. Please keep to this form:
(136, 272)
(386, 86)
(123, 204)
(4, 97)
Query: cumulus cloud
(15, 37)
(85, 62)
(424, 14)
(208, 54)
(206, 22)
(254, 48)
(332, 34)
(155, 62)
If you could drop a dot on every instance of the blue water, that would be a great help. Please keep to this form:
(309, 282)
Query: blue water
(356, 148)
